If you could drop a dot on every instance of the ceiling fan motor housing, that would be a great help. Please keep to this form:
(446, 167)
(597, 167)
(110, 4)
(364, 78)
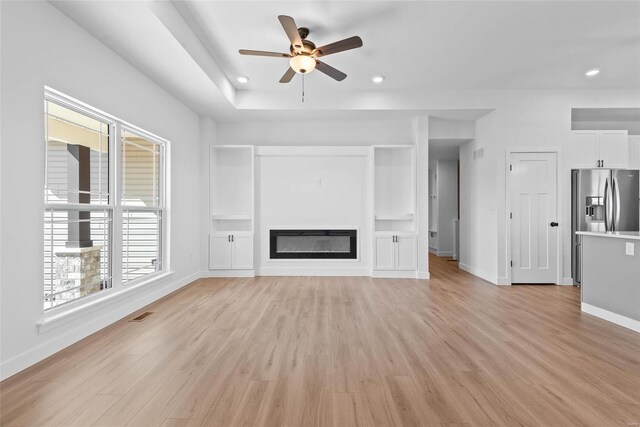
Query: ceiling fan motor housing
(307, 48)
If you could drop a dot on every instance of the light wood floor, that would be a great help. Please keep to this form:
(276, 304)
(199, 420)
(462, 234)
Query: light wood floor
(306, 351)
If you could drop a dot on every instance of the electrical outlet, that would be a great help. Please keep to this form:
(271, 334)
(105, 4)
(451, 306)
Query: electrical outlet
(630, 249)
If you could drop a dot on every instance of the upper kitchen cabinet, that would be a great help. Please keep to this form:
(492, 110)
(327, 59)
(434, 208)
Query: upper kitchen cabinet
(599, 149)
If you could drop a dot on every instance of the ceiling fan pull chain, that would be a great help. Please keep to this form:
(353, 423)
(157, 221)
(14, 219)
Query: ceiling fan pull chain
(303, 88)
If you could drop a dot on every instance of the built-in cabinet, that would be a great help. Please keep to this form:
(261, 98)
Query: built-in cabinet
(394, 220)
(231, 184)
(599, 149)
(231, 252)
(394, 211)
(395, 252)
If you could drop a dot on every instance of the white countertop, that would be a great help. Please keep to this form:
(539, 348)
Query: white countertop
(627, 235)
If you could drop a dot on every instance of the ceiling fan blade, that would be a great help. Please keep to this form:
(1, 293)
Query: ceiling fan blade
(286, 78)
(263, 53)
(339, 46)
(330, 71)
(291, 29)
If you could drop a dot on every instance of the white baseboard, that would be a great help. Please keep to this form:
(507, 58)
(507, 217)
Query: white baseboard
(504, 281)
(306, 271)
(480, 273)
(566, 281)
(394, 274)
(610, 316)
(227, 273)
(90, 323)
(424, 275)
(444, 253)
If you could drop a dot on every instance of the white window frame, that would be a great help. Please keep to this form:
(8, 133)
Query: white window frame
(160, 209)
(115, 205)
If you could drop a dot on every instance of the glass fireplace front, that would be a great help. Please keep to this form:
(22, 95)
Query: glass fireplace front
(295, 244)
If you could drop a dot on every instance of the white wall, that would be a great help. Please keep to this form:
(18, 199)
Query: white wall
(321, 132)
(478, 207)
(41, 46)
(315, 192)
(451, 129)
(527, 119)
(345, 132)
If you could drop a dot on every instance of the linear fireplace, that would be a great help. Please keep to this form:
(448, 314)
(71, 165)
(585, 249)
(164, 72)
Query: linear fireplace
(313, 244)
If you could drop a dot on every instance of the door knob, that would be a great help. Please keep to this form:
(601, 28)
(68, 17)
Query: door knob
(554, 224)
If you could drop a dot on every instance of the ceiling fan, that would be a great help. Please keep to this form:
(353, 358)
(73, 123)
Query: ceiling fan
(303, 54)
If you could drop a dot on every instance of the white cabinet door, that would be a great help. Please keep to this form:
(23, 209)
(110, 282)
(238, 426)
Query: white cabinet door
(384, 253)
(634, 151)
(242, 253)
(614, 149)
(406, 251)
(219, 252)
(583, 149)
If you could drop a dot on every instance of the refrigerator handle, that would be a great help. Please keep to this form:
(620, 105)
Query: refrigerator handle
(606, 205)
(615, 191)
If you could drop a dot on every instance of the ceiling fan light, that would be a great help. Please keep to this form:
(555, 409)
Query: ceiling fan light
(302, 64)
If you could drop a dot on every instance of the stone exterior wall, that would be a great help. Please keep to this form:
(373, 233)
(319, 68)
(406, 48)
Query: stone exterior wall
(77, 273)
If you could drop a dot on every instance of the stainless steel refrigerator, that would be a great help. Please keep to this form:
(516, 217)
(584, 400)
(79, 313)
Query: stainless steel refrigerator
(602, 200)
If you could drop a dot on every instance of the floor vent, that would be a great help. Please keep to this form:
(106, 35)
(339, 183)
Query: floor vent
(141, 317)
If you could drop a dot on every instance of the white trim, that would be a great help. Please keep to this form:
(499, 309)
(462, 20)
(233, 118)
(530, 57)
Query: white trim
(444, 253)
(114, 206)
(503, 280)
(53, 318)
(566, 281)
(559, 211)
(118, 308)
(609, 316)
(422, 275)
(397, 274)
(227, 273)
(480, 273)
(311, 271)
(82, 107)
(307, 151)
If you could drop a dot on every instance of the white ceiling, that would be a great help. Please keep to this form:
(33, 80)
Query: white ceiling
(435, 44)
(190, 48)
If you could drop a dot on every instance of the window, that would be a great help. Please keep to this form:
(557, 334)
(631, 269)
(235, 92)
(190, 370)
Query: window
(89, 221)
(141, 205)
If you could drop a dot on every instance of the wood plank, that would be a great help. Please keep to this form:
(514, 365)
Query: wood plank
(339, 351)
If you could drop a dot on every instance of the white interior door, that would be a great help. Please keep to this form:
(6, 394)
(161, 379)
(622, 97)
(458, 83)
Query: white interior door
(534, 237)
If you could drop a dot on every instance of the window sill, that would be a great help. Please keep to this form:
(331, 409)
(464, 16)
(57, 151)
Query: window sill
(55, 318)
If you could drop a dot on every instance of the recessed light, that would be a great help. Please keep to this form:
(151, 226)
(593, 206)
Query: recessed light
(377, 79)
(242, 79)
(592, 73)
